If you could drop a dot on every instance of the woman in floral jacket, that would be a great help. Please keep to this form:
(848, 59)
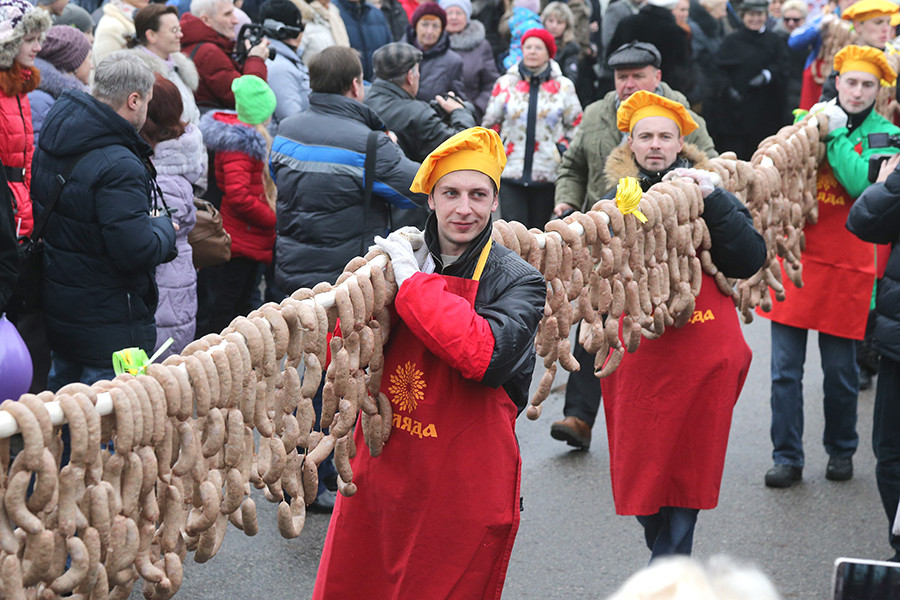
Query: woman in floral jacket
(536, 111)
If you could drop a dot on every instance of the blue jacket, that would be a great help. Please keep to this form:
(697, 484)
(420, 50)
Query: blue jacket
(101, 244)
(317, 161)
(367, 29)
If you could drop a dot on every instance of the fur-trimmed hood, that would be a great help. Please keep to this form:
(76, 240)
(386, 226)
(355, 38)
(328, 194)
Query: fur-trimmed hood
(469, 38)
(185, 155)
(54, 81)
(223, 132)
(35, 20)
(184, 66)
(621, 162)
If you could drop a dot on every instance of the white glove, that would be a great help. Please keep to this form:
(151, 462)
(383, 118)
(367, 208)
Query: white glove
(837, 118)
(403, 260)
(701, 178)
(416, 240)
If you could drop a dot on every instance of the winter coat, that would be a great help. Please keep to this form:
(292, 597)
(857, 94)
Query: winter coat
(796, 63)
(657, 26)
(17, 138)
(874, 218)
(214, 64)
(396, 17)
(101, 244)
(518, 21)
(567, 57)
(479, 67)
(322, 27)
(543, 108)
(582, 180)
(289, 79)
(179, 164)
(180, 70)
(441, 69)
(317, 162)
(9, 253)
(489, 13)
(113, 31)
(367, 29)
(240, 159)
(738, 250)
(53, 83)
(615, 13)
(418, 126)
(754, 111)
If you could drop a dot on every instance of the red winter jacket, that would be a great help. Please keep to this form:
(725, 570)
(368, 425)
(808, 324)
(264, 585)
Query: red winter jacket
(214, 63)
(17, 137)
(240, 160)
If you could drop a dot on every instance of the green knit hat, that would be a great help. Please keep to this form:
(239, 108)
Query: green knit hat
(253, 99)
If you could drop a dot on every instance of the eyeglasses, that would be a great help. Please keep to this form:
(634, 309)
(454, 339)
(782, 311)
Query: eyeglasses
(793, 20)
(176, 29)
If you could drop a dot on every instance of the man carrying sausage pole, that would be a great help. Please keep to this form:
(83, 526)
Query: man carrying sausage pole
(436, 514)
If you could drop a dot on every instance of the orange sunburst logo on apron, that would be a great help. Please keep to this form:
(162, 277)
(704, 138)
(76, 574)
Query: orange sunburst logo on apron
(407, 387)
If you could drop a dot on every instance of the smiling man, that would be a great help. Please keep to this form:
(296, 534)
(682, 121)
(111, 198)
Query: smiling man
(838, 277)
(436, 514)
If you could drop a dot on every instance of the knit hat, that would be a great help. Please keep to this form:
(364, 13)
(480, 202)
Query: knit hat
(77, 17)
(18, 18)
(474, 149)
(543, 35)
(65, 48)
(253, 99)
(465, 5)
(666, 4)
(395, 59)
(532, 5)
(429, 8)
(642, 104)
(865, 59)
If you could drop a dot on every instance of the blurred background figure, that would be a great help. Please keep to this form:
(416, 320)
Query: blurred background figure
(468, 40)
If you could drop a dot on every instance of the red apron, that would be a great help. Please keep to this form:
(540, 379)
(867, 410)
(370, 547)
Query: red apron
(436, 514)
(810, 89)
(838, 271)
(668, 410)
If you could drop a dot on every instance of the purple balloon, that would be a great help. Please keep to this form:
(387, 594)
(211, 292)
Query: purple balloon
(15, 362)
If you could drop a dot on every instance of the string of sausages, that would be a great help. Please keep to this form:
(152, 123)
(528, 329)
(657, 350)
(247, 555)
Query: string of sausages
(174, 462)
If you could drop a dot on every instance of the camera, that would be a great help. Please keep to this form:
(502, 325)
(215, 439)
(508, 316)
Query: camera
(880, 140)
(254, 34)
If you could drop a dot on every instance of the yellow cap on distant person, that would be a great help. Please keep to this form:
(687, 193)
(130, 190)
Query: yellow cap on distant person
(869, 9)
(474, 149)
(865, 59)
(643, 104)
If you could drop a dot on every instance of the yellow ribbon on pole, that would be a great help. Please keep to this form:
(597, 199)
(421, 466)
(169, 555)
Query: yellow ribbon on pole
(628, 197)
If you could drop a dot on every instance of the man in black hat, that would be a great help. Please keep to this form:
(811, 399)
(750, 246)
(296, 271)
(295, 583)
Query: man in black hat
(582, 182)
(420, 126)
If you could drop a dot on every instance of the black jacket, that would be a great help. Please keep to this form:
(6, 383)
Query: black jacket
(657, 26)
(101, 244)
(418, 126)
(510, 296)
(317, 161)
(875, 217)
(9, 254)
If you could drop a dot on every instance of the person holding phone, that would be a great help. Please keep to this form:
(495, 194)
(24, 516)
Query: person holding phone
(875, 218)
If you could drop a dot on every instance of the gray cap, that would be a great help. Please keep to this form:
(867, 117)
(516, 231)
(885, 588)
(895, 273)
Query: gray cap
(394, 60)
(635, 55)
(754, 5)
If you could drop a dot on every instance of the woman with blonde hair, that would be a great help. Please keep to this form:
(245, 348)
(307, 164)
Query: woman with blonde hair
(558, 19)
(242, 143)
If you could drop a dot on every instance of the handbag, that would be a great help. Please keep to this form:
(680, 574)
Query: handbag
(210, 243)
(26, 297)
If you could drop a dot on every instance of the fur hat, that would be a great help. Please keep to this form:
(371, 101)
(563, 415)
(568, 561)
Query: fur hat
(18, 18)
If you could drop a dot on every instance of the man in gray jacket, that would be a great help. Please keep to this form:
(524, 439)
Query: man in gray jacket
(288, 76)
(417, 124)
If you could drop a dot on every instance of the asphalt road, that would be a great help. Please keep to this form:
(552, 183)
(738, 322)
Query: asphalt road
(572, 546)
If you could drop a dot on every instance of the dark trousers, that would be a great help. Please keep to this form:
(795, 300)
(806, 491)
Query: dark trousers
(670, 531)
(583, 389)
(234, 292)
(530, 205)
(886, 440)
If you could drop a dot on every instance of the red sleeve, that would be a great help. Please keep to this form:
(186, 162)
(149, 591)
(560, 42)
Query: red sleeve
(218, 71)
(251, 208)
(254, 65)
(447, 324)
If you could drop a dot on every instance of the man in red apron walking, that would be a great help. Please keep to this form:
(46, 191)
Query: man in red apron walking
(838, 277)
(668, 405)
(436, 513)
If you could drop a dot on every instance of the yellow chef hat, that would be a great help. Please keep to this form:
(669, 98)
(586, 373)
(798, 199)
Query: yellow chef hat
(474, 149)
(869, 9)
(642, 104)
(867, 60)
